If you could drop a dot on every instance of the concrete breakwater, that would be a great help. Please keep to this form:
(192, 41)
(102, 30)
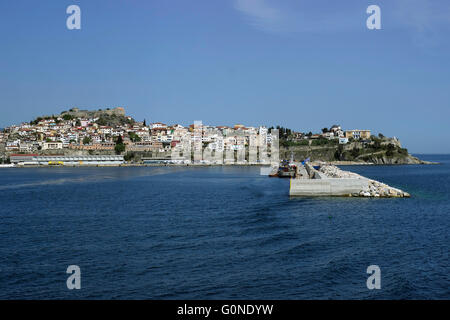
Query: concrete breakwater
(329, 180)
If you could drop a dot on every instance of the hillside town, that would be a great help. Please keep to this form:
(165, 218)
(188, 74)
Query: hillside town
(111, 131)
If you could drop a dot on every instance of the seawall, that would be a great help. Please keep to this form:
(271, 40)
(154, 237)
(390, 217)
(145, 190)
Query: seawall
(327, 187)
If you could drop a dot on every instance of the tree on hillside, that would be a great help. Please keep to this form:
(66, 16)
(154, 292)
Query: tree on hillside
(87, 140)
(102, 121)
(134, 137)
(120, 147)
(338, 153)
(355, 152)
(377, 144)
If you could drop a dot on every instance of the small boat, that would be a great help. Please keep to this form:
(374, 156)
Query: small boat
(284, 171)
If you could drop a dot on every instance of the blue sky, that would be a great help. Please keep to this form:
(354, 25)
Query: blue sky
(300, 64)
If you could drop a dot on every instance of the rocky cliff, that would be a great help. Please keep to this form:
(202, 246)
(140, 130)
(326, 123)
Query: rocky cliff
(378, 151)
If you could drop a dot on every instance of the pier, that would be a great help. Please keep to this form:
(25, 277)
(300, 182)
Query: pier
(329, 180)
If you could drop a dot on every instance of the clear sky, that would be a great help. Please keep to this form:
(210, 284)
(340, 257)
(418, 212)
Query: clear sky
(303, 64)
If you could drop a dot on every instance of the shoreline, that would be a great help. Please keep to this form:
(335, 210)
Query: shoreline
(315, 163)
(129, 165)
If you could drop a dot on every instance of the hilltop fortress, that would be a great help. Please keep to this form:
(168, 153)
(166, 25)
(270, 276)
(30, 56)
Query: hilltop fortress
(77, 113)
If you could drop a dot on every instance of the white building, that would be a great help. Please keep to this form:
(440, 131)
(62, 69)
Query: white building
(158, 125)
(53, 145)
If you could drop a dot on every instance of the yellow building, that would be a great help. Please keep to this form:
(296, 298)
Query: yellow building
(357, 134)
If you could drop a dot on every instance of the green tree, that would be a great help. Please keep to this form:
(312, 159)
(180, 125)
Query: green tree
(339, 152)
(391, 147)
(129, 156)
(377, 144)
(102, 121)
(403, 151)
(355, 152)
(87, 140)
(120, 147)
(390, 150)
(320, 142)
(134, 137)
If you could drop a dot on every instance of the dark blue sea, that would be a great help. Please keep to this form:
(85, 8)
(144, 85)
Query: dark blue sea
(220, 233)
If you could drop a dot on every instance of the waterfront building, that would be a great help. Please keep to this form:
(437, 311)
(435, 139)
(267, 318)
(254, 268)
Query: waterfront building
(34, 159)
(17, 158)
(357, 134)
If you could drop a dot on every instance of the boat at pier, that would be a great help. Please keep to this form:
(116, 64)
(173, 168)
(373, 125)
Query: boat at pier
(286, 169)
